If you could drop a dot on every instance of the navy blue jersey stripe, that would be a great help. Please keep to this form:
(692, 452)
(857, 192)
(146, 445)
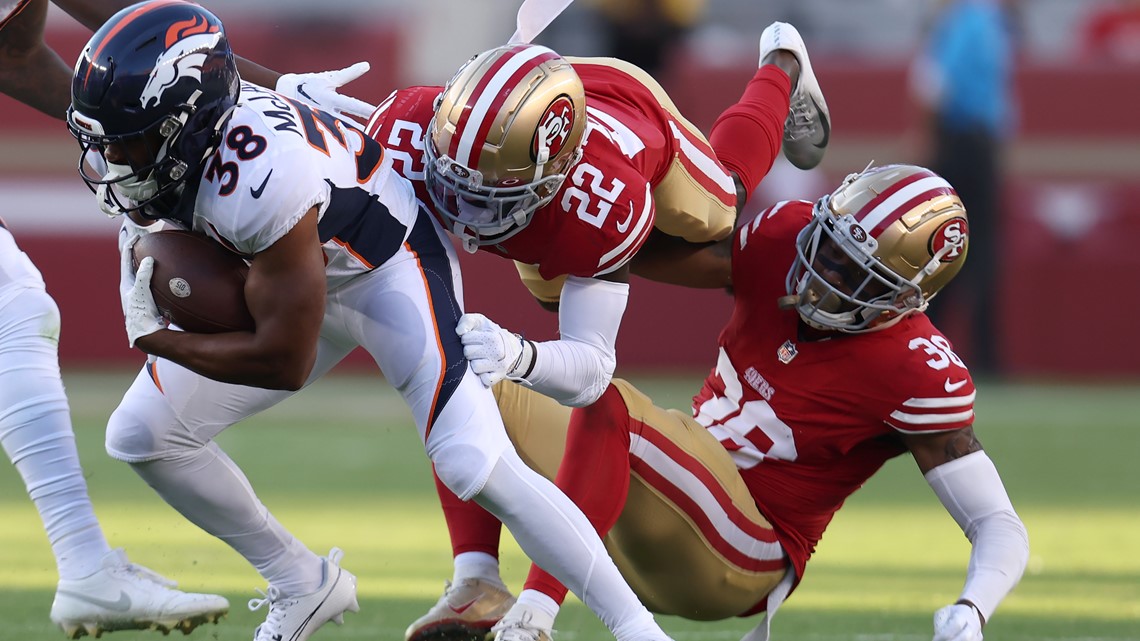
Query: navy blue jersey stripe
(358, 219)
(432, 255)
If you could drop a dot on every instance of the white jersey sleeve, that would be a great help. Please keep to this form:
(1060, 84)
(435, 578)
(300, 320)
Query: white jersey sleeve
(278, 159)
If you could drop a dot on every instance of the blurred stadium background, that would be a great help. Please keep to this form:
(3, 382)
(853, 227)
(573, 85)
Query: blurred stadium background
(1061, 419)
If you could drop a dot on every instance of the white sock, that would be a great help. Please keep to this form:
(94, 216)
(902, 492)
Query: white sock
(555, 534)
(210, 490)
(36, 433)
(541, 607)
(476, 565)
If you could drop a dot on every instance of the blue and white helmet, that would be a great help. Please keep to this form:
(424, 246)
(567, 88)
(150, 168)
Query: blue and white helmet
(160, 71)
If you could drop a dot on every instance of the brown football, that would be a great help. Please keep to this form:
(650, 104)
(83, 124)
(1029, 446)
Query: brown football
(197, 283)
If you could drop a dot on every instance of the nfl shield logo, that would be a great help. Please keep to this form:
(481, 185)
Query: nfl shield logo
(786, 352)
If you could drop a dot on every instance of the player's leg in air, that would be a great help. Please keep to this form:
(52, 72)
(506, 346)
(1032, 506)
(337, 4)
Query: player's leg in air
(781, 104)
(99, 589)
(677, 517)
(165, 427)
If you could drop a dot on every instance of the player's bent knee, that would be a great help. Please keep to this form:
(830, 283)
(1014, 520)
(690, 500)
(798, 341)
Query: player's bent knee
(464, 467)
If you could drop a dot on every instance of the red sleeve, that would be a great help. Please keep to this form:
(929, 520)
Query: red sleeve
(399, 124)
(933, 388)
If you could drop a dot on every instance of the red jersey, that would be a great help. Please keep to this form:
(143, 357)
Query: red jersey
(604, 211)
(809, 421)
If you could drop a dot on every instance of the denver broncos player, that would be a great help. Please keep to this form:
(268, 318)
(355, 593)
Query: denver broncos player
(341, 256)
(566, 165)
(99, 589)
(826, 369)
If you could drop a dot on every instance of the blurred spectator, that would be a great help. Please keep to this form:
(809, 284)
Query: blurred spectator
(962, 84)
(1113, 32)
(646, 32)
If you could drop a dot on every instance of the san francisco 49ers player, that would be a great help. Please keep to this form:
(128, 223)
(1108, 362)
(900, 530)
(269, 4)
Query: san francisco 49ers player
(566, 165)
(826, 369)
(341, 255)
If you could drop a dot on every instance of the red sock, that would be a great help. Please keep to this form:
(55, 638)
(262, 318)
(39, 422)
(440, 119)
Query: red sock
(594, 472)
(472, 529)
(747, 136)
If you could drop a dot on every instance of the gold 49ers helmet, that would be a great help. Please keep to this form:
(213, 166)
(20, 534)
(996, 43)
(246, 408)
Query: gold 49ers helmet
(877, 248)
(506, 130)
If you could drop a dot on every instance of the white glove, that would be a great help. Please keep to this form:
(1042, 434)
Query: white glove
(494, 353)
(958, 622)
(320, 90)
(142, 315)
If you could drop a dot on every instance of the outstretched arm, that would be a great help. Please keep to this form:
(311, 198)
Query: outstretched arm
(93, 13)
(676, 261)
(34, 74)
(968, 484)
(29, 70)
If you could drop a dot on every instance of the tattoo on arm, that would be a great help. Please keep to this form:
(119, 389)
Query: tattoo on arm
(963, 442)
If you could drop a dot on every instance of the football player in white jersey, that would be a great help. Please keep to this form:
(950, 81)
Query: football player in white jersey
(99, 590)
(341, 255)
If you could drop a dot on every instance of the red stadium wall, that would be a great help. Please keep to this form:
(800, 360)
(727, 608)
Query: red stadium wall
(1068, 300)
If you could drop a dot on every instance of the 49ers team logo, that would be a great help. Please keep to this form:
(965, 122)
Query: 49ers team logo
(556, 123)
(953, 232)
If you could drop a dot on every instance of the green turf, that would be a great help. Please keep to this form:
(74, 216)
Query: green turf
(341, 466)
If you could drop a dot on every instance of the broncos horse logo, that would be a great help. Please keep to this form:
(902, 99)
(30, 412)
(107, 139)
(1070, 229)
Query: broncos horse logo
(187, 44)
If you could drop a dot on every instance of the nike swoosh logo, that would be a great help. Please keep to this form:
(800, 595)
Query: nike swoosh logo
(301, 90)
(257, 192)
(121, 605)
(954, 387)
(624, 225)
(823, 122)
(463, 608)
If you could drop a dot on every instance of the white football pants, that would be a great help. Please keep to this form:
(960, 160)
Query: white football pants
(35, 423)
(404, 314)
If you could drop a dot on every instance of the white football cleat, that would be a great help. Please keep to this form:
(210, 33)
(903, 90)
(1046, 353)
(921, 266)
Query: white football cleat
(466, 612)
(808, 127)
(125, 596)
(512, 628)
(297, 618)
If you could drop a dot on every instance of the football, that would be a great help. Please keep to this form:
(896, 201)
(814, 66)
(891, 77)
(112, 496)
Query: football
(197, 283)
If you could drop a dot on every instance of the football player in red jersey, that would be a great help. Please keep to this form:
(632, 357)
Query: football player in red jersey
(566, 165)
(826, 369)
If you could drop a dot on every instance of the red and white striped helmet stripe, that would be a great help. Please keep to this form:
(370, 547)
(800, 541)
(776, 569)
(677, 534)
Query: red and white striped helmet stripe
(889, 206)
(488, 97)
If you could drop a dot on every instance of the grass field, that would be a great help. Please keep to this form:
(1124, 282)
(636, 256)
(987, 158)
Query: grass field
(341, 466)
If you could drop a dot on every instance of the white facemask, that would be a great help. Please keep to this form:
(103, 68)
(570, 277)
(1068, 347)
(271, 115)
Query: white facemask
(133, 188)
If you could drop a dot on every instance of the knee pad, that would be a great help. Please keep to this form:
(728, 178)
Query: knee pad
(144, 428)
(464, 467)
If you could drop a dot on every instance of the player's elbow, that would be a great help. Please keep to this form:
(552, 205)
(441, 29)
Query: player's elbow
(287, 368)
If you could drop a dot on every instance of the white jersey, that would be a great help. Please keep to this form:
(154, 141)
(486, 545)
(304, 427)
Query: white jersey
(15, 266)
(279, 158)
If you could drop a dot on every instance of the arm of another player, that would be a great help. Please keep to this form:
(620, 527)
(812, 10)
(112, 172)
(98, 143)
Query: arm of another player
(676, 261)
(968, 484)
(285, 292)
(319, 88)
(575, 369)
(29, 70)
